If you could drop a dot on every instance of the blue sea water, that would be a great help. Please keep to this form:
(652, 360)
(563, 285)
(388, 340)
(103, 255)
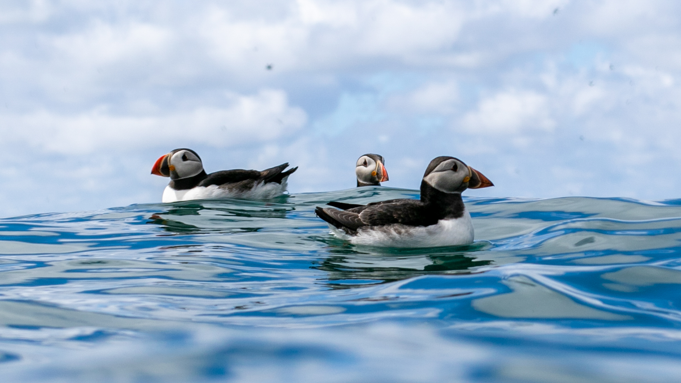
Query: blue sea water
(560, 290)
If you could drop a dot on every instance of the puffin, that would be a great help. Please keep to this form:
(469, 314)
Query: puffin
(370, 170)
(438, 218)
(189, 181)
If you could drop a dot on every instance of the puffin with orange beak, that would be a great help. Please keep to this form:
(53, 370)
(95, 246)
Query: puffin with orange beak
(370, 170)
(438, 218)
(189, 181)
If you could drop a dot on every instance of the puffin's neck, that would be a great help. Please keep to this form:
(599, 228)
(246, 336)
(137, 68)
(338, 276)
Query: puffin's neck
(446, 205)
(188, 182)
(360, 183)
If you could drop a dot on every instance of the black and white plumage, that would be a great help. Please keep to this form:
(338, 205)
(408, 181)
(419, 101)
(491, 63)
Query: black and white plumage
(439, 218)
(189, 181)
(370, 170)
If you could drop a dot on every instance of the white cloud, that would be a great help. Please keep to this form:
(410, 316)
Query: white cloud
(510, 112)
(328, 13)
(587, 98)
(31, 11)
(440, 97)
(261, 118)
(402, 30)
(533, 9)
(105, 43)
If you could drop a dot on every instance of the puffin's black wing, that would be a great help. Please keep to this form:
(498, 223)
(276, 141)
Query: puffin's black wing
(359, 208)
(229, 177)
(277, 173)
(343, 205)
(403, 211)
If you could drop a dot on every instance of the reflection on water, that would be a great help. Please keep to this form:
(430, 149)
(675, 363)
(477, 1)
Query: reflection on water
(259, 290)
(395, 267)
(192, 217)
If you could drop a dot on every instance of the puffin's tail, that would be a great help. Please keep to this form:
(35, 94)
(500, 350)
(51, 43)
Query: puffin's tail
(347, 221)
(277, 173)
(326, 217)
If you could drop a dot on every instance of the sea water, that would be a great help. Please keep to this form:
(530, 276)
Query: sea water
(562, 290)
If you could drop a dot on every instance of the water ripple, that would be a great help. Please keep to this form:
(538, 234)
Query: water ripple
(191, 291)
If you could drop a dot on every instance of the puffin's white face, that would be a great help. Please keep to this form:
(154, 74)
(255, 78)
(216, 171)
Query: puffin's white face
(183, 164)
(365, 166)
(370, 170)
(450, 176)
(178, 164)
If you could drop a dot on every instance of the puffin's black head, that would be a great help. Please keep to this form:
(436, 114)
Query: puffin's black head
(370, 170)
(178, 164)
(451, 175)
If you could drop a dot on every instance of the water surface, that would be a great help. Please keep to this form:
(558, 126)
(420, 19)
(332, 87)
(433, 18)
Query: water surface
(567, 289)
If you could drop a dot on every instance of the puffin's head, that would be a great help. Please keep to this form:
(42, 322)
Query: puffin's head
(370, 170)
(178, 164)
(451, 175)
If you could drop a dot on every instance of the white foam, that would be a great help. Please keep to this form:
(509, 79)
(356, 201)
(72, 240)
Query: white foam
(450, 232)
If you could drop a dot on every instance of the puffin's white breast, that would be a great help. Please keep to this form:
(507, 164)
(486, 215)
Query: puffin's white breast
(172, 195)
(447, 232)
(259, 191)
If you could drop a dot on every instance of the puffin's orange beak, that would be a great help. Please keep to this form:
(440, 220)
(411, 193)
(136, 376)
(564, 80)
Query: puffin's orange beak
(159, 165)
(384, 173)
(482, 181)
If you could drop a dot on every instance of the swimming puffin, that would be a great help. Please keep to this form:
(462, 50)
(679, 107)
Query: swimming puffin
(370, 170)
(439, 218)
(189, 181)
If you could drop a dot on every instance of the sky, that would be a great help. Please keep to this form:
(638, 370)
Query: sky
(547, 98)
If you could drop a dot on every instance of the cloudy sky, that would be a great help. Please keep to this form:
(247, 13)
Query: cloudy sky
(547, 98)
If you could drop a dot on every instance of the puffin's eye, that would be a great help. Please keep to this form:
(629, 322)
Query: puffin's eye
(455, 167)
(184, 156)
(365, 163)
